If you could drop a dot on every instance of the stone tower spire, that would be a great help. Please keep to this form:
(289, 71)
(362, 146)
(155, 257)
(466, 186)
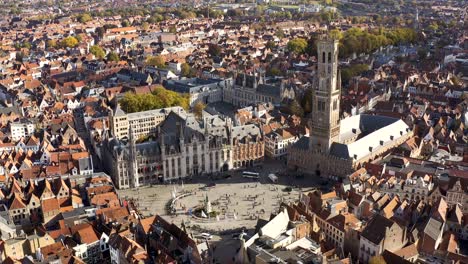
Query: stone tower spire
(325, 121)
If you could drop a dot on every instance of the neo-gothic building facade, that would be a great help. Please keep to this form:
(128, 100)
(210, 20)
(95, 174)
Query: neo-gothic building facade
(251, 88)
(337, 147)
(183, 147)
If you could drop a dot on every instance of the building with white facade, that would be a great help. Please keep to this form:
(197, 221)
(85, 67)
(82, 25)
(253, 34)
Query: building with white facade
(21, 129)
(141, 123)
(277, 143)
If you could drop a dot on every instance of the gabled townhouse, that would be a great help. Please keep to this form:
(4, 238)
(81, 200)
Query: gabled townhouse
(380, 234)
(126, 251)
(88, 243)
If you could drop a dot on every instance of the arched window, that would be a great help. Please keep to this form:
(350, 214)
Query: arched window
(329, 57)
(323, 57)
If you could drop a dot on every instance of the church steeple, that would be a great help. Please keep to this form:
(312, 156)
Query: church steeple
(325, 121)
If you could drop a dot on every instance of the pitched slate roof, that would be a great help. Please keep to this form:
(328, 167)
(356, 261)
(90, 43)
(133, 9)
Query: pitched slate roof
(376, 228)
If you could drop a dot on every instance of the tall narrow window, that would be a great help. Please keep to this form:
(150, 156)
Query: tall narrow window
(335, 104)
(323, 57)
(329, 57)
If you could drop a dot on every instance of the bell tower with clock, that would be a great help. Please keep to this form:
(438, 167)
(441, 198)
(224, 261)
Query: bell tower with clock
(325, 120)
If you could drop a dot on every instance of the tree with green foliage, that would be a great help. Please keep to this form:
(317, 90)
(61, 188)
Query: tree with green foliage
(79, 37)
(157, 61)
(214, 50)
(84, 18)
(15, 11)
(358, 41)
(19, 56)
(26, 45)
(112, 56)
(311, 48)
(434, 26)
(198, 109)
(327, 16)
(352, 71)
(100, 31)
(159, 98)
(270, 44)
(69, 42)
(155, 18)
(279, 33)
(335, 34)
(51, 43)
(274, 72)
(145, 26)
(235, 13)
(185, 69)
(297, 45)
(125, 23)
(97, 51)
(294, 108)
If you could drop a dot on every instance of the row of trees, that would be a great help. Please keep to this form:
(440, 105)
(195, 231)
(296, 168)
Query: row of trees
(68, 42)
(159, 98)
(356, 40)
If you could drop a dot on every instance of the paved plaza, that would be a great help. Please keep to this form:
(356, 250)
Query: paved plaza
(237, 201)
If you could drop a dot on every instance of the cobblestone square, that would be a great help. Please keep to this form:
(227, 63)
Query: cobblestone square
(238, 201)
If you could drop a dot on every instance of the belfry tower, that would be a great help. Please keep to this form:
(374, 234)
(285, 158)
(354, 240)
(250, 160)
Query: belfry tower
(325, 121)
